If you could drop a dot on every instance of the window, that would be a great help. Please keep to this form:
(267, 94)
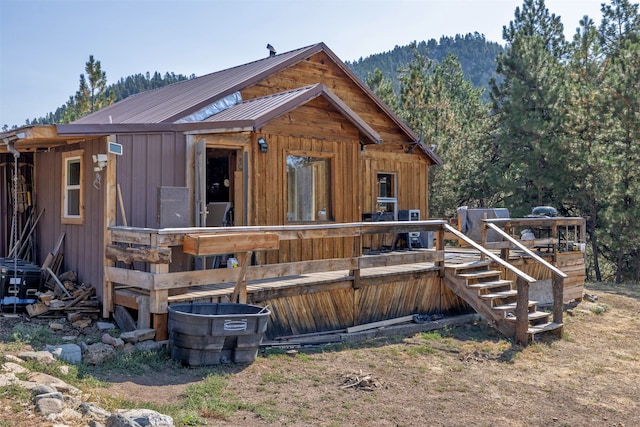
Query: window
(308, 188)
(387, 194)
(72, 191)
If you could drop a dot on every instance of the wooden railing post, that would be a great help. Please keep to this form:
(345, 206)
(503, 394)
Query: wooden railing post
(558, 297)
(522, 312)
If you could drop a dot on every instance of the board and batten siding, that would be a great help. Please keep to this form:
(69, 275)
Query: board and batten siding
(319, 68)
(315, 129)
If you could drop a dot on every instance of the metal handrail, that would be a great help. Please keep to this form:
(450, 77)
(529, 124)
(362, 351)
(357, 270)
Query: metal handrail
(490, 254)
(527, 251)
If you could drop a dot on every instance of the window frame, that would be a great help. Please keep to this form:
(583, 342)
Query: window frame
(330, 157)
(67, 158)
(384, 199)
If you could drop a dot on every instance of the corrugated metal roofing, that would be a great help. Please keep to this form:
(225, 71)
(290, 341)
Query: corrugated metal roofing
(170, 103)
(254, 113)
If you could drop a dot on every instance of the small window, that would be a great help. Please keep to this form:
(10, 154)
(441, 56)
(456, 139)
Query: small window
(387, 194)
(308, 188)
(72, 188)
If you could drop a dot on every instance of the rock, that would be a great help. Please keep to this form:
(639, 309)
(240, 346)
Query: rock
(138, 335)
(7, 379)
(14, 368)
(68, 352)
(144, 418)
(41, 389)
(116, 342)
(105, 326)
(94, 423)
(151, 345)
(58, 384)
(12, 358)
(39, 356)
(93, 411)
(69, 338)
(119, 420)
(63, 369)
(49, 405)
(52, 395)
(98, 353)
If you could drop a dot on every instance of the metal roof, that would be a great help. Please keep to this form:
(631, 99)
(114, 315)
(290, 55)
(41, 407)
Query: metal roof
(160, 109)
(172, 102)
(254, 113)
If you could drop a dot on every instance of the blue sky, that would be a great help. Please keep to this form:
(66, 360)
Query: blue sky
(45, 44)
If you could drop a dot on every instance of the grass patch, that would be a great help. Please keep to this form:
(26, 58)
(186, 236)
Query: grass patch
(599, 308)
(37, 336)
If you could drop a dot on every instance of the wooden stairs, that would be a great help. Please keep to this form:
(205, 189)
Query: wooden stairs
(494, 298)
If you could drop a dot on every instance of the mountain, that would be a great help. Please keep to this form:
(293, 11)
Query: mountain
(476, 55)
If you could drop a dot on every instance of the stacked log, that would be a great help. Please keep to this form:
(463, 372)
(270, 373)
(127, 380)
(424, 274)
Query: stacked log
(66, 298)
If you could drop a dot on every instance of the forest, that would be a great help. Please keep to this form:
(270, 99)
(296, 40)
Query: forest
(561, 127)
(539, 121)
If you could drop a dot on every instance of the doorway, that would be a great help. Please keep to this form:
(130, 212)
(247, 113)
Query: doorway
(220, 187)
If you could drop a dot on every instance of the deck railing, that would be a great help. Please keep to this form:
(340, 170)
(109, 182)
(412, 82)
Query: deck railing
(151, 263)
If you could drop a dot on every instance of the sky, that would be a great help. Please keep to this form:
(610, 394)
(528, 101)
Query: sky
(44, 44)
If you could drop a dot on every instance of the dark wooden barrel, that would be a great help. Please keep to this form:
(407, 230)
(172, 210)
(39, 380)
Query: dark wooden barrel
(210, 333)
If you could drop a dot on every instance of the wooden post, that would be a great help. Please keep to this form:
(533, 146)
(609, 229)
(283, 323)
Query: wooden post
(109, 219)
(558, 297)
(439, 248)
(522, 312)
(483, 232)
(240, 289)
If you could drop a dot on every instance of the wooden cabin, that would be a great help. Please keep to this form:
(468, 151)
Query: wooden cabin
(292, 145)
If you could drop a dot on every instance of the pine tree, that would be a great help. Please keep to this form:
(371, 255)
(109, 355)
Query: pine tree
(583, 126)
(620, 37)
(529, 104)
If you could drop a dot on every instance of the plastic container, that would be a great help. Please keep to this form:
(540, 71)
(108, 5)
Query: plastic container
(213, 333)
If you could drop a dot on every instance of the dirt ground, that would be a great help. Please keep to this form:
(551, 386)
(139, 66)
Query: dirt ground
(463, 376)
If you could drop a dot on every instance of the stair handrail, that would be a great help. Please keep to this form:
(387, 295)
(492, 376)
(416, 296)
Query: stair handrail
(526, 250)
(489, 254)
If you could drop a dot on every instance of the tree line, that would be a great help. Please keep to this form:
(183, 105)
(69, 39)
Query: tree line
(562, 127)
(94, 94)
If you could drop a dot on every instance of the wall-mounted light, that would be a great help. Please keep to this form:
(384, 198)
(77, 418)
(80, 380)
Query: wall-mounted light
(100, 162)
(264, 147)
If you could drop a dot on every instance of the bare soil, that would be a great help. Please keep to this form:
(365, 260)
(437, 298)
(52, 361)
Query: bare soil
(463, 376)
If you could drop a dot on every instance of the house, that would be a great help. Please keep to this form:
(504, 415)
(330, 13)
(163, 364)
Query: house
(288, 139)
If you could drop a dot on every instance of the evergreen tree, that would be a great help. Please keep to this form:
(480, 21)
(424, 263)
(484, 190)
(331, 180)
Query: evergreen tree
(620, 36)
(583, 127)
(529, 104)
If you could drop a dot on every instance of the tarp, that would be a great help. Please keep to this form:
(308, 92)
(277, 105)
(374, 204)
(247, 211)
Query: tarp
(470, 221)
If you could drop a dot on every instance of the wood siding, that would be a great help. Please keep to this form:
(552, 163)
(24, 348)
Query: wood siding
(319, 68)
(317, 130)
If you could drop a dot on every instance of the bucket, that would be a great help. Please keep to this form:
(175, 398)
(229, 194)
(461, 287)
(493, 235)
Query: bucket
(213, 333)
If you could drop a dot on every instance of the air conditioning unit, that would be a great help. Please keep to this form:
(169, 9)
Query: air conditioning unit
(411, 215)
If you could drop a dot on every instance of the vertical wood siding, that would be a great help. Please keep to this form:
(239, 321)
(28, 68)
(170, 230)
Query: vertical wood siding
(314, 129)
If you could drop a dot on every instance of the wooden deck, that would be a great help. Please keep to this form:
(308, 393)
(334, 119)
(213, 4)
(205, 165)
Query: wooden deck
(315, 295)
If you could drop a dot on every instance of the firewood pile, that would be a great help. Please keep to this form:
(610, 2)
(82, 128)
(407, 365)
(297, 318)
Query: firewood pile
(360, 381)
(65, 297)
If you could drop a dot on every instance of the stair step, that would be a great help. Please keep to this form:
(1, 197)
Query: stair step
(512, 306)
(543, 327)
(490, 285)
(459, 268)
(479, 274)
(535, 316)
(501, 294)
